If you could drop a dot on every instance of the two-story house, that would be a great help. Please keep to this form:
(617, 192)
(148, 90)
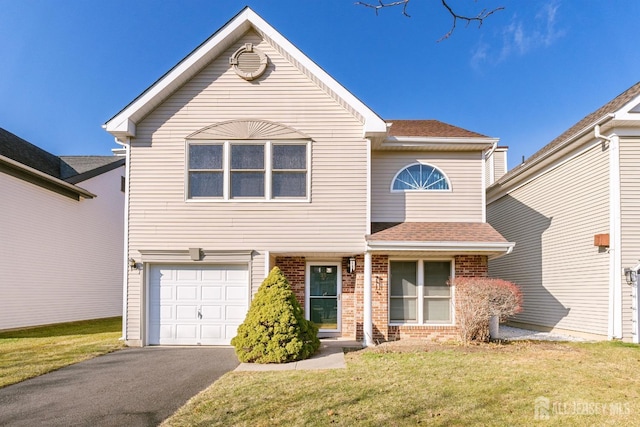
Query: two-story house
(247, 155)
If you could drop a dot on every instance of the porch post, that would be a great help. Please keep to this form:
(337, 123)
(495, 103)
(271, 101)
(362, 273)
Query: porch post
(367, 327)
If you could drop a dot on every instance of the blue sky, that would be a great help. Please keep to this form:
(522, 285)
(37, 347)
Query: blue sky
(530, 72)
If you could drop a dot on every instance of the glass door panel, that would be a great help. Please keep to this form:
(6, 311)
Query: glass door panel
(324, 290)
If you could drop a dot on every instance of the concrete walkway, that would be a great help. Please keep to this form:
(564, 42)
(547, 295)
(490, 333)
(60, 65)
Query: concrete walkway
(329, 356)
(131, 387)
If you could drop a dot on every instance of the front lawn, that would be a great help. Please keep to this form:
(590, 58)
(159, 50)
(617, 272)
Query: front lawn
(31, 352)
(521, 383)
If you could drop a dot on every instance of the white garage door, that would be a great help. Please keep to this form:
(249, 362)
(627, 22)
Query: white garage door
(196, 305)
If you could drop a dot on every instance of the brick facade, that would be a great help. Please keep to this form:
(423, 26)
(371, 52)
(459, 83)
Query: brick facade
(352, 300)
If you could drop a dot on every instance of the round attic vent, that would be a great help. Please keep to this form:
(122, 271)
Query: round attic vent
(248, 62)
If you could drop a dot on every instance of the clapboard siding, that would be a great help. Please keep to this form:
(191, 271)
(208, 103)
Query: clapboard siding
(553, 219)
(60, 259)
(160, 217)
(463, 203)
(630, 220)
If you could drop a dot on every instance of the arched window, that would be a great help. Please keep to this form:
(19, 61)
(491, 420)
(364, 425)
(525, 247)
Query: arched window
(420, 177)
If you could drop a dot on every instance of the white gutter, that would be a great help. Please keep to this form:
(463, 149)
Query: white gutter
(367, 318)
(125, 275)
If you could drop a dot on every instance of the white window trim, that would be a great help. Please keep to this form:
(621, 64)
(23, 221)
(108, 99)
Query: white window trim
(446, 177)
(226, 189)
(420, 292)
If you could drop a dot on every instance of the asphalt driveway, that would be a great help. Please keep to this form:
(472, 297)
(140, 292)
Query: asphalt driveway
(131, 387)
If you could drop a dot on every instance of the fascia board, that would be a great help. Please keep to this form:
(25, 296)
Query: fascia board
(417, 141)
(123, 124)
(24, 171)
(505, 247)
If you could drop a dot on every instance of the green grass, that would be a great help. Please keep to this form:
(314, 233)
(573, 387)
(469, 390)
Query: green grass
(449, 385)
(27, 353)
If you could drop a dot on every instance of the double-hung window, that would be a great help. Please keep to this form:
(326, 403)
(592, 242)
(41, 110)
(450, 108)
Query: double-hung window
(419, 293)
(254, 170)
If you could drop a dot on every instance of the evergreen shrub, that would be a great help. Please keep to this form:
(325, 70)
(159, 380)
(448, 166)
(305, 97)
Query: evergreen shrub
(275, 330)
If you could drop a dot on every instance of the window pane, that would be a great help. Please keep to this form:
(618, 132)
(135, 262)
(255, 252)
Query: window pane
(247, 184)
(205, 156)
(205, 184)
(403, 278)
(289, 156)
(323, 280)
(437, 310)
(324, 312)
(247, 156)
(420, 177)
(437, 273)
(289, 184)
(403, 310)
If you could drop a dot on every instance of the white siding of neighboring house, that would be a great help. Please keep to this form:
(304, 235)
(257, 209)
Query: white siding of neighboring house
(60, 259)
(160, 218)
(630, 220)
(463, 203)
(553, 220)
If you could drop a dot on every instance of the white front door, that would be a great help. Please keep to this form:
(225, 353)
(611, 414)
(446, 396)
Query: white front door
(196, 305)
(323, 295)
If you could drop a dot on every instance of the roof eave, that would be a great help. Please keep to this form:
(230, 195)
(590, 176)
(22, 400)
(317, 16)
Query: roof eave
(42, 179)
(470, 143)
(491, 249)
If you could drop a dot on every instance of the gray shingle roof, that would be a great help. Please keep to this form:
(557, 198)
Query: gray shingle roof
(72, 169)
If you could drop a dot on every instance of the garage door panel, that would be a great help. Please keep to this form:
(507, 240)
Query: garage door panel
(236, 313)
(186, 331)
(186, 293)
(236, 293)
(186, 274)
(186, 312)
(211, 312)
(211, 293)
(197, 305)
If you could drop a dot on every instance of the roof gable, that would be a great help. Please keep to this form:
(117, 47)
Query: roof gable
(123, 124)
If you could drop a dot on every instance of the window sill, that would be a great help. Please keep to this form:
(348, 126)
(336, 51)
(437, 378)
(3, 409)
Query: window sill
(248, 200)
(422, 325)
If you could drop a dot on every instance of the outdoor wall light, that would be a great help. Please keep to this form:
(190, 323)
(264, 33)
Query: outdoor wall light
(132, 264)
(631, 275)
(351, 267)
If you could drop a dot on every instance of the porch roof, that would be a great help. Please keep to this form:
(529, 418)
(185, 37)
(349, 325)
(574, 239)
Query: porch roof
(458, 237)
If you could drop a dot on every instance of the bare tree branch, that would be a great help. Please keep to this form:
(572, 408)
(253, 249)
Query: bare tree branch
(479, 18)
(381, 5)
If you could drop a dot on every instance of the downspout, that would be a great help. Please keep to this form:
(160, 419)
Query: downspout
(615, 255)
(125, 274)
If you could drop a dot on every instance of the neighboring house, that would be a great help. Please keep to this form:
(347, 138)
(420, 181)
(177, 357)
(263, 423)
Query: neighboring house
(573, 209)
(247, 155)
(61, 235)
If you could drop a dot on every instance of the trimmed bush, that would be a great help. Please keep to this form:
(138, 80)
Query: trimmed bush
(480, 298)
(275, 330)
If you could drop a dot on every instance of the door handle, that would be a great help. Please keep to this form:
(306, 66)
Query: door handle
(199, 313)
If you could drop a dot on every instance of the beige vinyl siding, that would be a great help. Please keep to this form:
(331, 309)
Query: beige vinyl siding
(463, 203)
(552, 220)
(499, 164)
(60, 259)
(160, 218)
(630, 221)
